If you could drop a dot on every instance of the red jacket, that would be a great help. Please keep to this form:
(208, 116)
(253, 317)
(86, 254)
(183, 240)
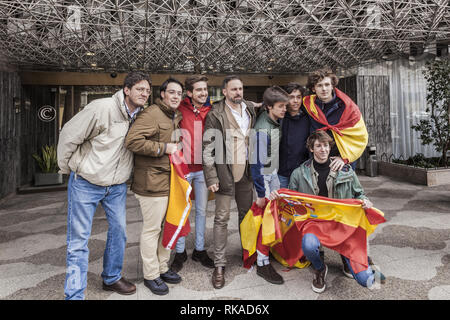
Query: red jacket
(193, 123)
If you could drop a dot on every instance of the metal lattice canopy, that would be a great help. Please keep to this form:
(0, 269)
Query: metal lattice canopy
(215, 36)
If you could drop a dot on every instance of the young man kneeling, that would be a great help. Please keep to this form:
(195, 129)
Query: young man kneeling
(315, 177)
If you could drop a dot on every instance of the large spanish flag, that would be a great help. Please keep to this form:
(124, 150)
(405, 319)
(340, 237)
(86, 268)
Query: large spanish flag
(177, 223)
(350, 134)
(340, 224)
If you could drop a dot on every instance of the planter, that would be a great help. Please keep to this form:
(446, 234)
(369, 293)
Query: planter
(46, 179)
(428, 177)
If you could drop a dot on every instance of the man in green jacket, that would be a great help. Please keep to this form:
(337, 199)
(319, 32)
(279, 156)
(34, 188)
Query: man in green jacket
(265, 163)
(315, 177)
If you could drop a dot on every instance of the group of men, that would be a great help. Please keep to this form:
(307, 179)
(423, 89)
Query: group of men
(232, 148)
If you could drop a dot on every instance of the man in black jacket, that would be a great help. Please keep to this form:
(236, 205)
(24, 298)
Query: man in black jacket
(295, 129)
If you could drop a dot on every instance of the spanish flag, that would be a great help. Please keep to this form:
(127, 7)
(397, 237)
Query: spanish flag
(177, 223)
(350, 134)
(340, 224)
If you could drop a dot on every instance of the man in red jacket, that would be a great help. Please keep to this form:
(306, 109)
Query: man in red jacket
(194, 109)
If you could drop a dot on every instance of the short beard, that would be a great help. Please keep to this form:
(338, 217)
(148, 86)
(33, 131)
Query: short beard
(236, 101)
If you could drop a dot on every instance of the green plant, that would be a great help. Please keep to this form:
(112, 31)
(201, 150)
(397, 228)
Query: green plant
(48, 162)
(436, 128)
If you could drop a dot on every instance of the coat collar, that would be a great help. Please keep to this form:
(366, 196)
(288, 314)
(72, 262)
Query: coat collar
(120, 100)
(168, 111)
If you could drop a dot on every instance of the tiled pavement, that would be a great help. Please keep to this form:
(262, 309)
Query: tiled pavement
(412, 249)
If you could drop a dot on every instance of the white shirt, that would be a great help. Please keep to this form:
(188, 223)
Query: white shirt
(242, 120)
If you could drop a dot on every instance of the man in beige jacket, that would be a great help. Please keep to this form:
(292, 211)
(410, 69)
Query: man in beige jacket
(226, 165)
(152, 140)
(91, 149)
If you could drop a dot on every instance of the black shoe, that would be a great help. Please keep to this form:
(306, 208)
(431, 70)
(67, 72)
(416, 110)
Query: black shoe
(157, 286)
(345, 268)
(268, 273)
(177, 263)
(202, 257)
(171, 277)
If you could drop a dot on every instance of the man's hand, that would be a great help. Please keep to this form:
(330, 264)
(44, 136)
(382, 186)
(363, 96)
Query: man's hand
(336, 163)
(214, 187)
(367, 204)
(171, 148)
(260, 202)
(274, 195)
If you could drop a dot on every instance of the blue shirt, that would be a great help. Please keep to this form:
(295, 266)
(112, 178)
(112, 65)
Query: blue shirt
(132, 115)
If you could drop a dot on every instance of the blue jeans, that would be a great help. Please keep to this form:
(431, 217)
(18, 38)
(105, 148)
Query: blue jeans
(83, 198)
(284, 181)
(310, 247)
(197, 179)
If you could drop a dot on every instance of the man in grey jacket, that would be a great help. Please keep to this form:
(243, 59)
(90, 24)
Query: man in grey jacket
(91, 149)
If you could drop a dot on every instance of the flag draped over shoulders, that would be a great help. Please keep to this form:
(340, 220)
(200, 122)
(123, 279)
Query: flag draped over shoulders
(177, 223)
(350, 133)
(339, 224)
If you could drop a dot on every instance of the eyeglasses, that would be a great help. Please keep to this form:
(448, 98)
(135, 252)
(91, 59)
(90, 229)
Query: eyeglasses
(142, 90)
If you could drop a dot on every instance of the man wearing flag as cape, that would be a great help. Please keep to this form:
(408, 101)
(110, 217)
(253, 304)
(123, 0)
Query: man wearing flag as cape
(333, 111)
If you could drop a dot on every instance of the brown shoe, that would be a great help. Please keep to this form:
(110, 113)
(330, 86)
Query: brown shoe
(122, 286)
(318, 284)
(218, 277)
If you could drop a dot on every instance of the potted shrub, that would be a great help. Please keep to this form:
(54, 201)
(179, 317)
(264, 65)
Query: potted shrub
(48, 165)
(436, 128)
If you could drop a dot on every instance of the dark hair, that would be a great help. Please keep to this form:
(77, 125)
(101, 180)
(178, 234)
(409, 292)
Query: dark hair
(291, 86)
(228, 79)
(134, 77)
(191, 80)
(320, 135)
(273, 95)
(163, 87)
(319, 75)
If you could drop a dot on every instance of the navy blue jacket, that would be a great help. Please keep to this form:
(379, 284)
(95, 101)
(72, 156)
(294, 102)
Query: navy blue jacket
(294, 132)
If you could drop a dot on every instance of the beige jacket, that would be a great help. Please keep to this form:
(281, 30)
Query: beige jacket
(91, 144)
(218, 166)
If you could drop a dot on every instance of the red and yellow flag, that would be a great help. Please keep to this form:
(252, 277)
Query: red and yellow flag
(350, 134)
(340, 224)
(177, 222)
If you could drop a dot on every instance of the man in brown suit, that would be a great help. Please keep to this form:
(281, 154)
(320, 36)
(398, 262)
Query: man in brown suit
(225, 164)
(151, 139)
